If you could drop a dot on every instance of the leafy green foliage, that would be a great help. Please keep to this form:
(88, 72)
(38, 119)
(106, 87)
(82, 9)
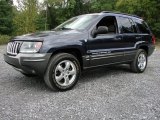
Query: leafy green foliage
(25, 20)
(103, 5)
(6, 17)
(4, 39)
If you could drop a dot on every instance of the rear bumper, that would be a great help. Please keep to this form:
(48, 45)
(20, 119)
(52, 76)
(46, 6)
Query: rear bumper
(29, 63)
(151, 50)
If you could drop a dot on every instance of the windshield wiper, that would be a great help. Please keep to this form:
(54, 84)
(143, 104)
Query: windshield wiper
(64, 28)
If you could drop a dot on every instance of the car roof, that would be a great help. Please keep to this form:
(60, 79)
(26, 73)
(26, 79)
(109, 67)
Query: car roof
(117, 13)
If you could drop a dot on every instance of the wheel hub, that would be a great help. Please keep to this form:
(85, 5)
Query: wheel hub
(65, 73)
(142, 61)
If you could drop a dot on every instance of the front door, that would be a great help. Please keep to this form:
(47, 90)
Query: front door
(106, 48)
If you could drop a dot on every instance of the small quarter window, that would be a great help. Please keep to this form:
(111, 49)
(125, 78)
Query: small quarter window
(143, 27)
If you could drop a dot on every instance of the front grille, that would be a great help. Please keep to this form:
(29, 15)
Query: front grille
(13, 48)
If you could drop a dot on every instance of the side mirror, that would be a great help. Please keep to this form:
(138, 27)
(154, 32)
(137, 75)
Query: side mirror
(100, 30)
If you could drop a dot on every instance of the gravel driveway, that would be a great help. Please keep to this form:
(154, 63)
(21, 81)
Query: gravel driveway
(111, 93)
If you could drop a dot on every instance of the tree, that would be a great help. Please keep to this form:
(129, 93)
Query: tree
(103, 5)
(30, 17)
(6, 17)
(57, 11)
(26, 18)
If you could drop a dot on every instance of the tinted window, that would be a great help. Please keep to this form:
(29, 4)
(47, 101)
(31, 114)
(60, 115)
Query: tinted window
(133, 26)
(143, 27)
(126, 25)
(109, 22)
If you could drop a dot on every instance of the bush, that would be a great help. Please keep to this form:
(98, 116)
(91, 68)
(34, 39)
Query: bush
(4, 39)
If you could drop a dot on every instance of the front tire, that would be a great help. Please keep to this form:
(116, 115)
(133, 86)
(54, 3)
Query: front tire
(63, 72)
(140, 62)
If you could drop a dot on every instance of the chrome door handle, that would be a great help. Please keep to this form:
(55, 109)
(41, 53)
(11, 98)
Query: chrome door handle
(138, 37)
(118, 39)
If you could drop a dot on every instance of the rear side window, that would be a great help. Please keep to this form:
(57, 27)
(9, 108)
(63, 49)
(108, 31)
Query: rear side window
(127, 25)
(143, 27)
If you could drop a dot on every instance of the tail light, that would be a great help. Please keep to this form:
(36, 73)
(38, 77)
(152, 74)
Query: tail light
(153, 39)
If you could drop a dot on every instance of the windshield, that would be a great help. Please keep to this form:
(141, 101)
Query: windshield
(78, 23)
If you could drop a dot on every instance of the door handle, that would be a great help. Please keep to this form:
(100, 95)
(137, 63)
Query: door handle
(138, 37)
(118, 38)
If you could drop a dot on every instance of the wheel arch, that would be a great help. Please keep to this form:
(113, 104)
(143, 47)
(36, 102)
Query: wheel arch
(74, 51)
(144, 47)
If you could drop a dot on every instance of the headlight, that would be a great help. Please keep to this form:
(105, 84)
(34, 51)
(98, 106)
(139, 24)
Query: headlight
(30, 47)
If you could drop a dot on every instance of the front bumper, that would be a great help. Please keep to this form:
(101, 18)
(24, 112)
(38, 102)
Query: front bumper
(29, 63)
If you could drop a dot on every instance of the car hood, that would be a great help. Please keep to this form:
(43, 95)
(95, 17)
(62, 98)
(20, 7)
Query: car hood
(40, 36)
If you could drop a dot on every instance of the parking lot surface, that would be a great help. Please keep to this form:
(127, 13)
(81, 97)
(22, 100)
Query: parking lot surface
(110, 93)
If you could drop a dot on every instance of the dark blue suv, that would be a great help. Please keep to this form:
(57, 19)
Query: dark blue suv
(83, 42)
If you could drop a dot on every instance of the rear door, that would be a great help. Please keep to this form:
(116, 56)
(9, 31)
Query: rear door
(144, 31)
(130, 36)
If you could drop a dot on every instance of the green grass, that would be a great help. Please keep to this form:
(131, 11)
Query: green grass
(4, 39)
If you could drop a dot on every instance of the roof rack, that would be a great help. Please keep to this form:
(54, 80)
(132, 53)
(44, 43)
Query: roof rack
(120, 13)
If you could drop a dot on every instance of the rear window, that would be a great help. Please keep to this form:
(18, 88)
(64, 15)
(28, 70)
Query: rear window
(143, 27)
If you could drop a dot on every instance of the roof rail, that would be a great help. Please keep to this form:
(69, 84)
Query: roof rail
(120, 13)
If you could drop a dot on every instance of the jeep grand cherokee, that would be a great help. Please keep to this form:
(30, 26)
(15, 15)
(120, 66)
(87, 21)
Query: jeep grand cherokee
(83, 42)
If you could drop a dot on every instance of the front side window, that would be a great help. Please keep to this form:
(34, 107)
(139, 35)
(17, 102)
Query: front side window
(78, 23)
(109, 22)
(126, 25)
